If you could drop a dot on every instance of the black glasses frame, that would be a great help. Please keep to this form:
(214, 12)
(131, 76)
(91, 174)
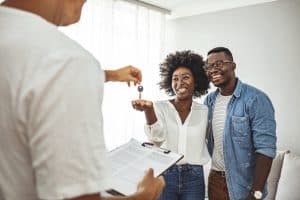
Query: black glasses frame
(216, 65)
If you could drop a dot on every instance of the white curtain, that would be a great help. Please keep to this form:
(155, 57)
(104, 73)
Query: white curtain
(119, 33)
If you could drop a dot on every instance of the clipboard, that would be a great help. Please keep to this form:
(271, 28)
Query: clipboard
(131, 160)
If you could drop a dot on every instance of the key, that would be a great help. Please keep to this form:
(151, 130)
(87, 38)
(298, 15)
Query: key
(140, 89)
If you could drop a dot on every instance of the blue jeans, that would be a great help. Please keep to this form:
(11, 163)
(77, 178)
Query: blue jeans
(184, 182)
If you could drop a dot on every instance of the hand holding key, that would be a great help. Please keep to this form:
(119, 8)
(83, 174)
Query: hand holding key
(141, 104)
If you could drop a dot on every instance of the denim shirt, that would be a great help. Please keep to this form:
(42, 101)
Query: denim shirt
(249, 128)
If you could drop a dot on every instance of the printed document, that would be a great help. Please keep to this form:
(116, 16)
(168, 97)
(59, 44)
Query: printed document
(131, 160)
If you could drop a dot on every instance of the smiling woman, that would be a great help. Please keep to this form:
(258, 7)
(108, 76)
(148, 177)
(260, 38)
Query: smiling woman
(121, 33)
(179, 123)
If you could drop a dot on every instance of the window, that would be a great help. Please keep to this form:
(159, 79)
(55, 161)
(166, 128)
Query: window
(120, 33)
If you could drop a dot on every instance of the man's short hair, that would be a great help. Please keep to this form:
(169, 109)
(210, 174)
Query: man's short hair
(221, 49)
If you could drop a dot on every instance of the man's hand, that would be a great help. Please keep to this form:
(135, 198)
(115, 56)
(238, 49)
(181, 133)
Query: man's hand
(125, 74)
(150, 187)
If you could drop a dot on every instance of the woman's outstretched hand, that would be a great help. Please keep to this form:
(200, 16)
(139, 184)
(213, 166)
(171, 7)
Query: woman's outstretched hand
(142, 105)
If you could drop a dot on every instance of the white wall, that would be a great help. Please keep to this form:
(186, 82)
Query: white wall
(265, 41)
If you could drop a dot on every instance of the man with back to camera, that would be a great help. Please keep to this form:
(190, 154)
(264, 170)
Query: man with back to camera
(51, 128)
(241, 133)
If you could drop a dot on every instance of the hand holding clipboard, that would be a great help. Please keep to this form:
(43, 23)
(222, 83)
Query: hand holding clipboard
(131, 160)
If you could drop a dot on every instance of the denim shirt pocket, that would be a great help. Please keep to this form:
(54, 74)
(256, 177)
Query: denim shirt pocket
(241, 126)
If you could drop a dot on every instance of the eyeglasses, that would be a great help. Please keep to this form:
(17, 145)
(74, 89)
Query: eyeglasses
(216, 65)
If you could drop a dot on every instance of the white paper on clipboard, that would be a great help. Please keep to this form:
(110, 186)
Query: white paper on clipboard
(130, 161)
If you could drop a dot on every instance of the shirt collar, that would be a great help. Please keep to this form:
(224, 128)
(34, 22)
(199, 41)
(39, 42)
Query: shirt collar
(237, 91)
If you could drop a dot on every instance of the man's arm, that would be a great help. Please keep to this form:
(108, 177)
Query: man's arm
(262, 169)
(148, 189)
(264, 140)
(125, 74)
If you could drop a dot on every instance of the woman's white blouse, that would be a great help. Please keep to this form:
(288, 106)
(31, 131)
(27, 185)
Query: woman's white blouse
(187, 138)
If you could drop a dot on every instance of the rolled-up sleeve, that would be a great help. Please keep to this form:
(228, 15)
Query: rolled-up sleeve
(263, 125)
(155, 132)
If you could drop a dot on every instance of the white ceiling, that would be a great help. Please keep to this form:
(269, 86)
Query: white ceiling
(183, 8)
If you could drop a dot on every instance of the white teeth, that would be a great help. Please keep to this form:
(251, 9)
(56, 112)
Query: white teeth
(216, 76)
(182, 90)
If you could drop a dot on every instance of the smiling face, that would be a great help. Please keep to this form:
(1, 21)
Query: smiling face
(220, 76)
(183, 83)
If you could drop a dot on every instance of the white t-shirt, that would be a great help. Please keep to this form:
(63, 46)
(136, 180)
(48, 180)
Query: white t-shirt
(218, 123)
(187, 138)
(51, 139)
